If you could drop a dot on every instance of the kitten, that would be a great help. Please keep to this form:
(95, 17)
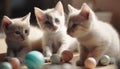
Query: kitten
(97, 38)
(19, 36)
(52, 22)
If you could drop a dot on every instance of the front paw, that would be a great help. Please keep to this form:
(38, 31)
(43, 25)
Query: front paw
(47, 54)
(80, 63)
(21, 60)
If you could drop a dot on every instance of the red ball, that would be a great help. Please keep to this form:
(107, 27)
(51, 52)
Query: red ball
(14, 62)
(66, 56)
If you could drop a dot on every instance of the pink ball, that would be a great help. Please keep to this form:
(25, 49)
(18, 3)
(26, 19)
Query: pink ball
(14, 62)
(90, 63)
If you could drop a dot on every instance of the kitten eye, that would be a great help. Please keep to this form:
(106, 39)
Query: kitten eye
(17, 32)
(48, 23)
(56, 20)
(26, 31)
(74, 25)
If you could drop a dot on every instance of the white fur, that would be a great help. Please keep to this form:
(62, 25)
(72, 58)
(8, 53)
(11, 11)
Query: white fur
(56, 41)
(99, 37)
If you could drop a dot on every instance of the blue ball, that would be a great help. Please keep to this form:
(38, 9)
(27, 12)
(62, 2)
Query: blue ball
(34, 60)
(105, 60)
(55, 59)
(5, 65)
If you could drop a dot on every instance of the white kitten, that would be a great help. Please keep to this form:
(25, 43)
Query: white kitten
(97, 38)
(52, 22)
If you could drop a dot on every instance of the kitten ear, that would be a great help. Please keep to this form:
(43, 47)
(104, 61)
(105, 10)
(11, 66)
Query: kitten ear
(26, 18)
(85, 11)
(39, 14)
(6, 21)
(59, 8)
(71, 8)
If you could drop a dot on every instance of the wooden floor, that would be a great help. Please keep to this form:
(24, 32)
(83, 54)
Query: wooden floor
(49, 65)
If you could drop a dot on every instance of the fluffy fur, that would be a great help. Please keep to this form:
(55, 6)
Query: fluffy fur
(20, 36)
(52, 22)
(97, 38)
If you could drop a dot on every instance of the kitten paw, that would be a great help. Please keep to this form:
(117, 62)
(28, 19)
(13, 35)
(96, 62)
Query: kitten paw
(80, 63)
(21, 60)
(47, 54)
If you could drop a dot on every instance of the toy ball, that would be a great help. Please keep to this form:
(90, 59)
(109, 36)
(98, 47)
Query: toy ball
(90, 63)
(14, 62)
(66, 56)
(105, 60)
(5, 65)
(34, 60)
(55, 59)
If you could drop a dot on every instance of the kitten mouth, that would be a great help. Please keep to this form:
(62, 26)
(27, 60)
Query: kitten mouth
(54, 28)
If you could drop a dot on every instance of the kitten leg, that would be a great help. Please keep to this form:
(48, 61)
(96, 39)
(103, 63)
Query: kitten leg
(82, 57)
(47, 51)
(97, 52)
(21, 55)
(10, 53)
(63, 47)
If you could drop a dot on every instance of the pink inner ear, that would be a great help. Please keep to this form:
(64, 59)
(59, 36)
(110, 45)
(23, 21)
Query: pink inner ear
(40, 17)
(39, 14)
(5, 21)
(59, 8)
(85, 13)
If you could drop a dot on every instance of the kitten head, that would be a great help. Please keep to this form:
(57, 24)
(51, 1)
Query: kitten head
(50, 19)
(17, 28)
(79, 21)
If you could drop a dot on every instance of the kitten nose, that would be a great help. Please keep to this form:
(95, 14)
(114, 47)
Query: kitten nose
(54, 27)
(23, 37)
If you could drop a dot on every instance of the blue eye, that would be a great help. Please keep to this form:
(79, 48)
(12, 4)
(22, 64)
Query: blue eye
(17, 32)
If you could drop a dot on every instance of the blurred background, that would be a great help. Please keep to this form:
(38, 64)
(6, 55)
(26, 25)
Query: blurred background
(106, 10)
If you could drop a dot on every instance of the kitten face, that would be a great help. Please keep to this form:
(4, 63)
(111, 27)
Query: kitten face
(79, 22)
(16, 29)
(50, 19)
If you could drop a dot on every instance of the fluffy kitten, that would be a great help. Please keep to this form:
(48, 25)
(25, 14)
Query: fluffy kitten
(96, 37)
(19, 36)
(52, 22)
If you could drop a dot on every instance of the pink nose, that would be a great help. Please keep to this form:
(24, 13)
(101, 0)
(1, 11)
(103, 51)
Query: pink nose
(54, 28)
(23, 37)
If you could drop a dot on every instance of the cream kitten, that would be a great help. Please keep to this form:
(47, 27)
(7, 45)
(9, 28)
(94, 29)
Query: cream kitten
(20, 36)
(52, 22)
(97, 38)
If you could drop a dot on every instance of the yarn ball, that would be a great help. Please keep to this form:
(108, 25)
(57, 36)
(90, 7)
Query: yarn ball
(5, 65)
(105, 60)
(55, 59)
(66, 56)
(34, 60)
(14, 62)
(90, 63)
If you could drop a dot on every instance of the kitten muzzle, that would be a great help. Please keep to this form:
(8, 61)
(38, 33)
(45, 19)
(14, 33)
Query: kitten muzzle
(22, 36)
